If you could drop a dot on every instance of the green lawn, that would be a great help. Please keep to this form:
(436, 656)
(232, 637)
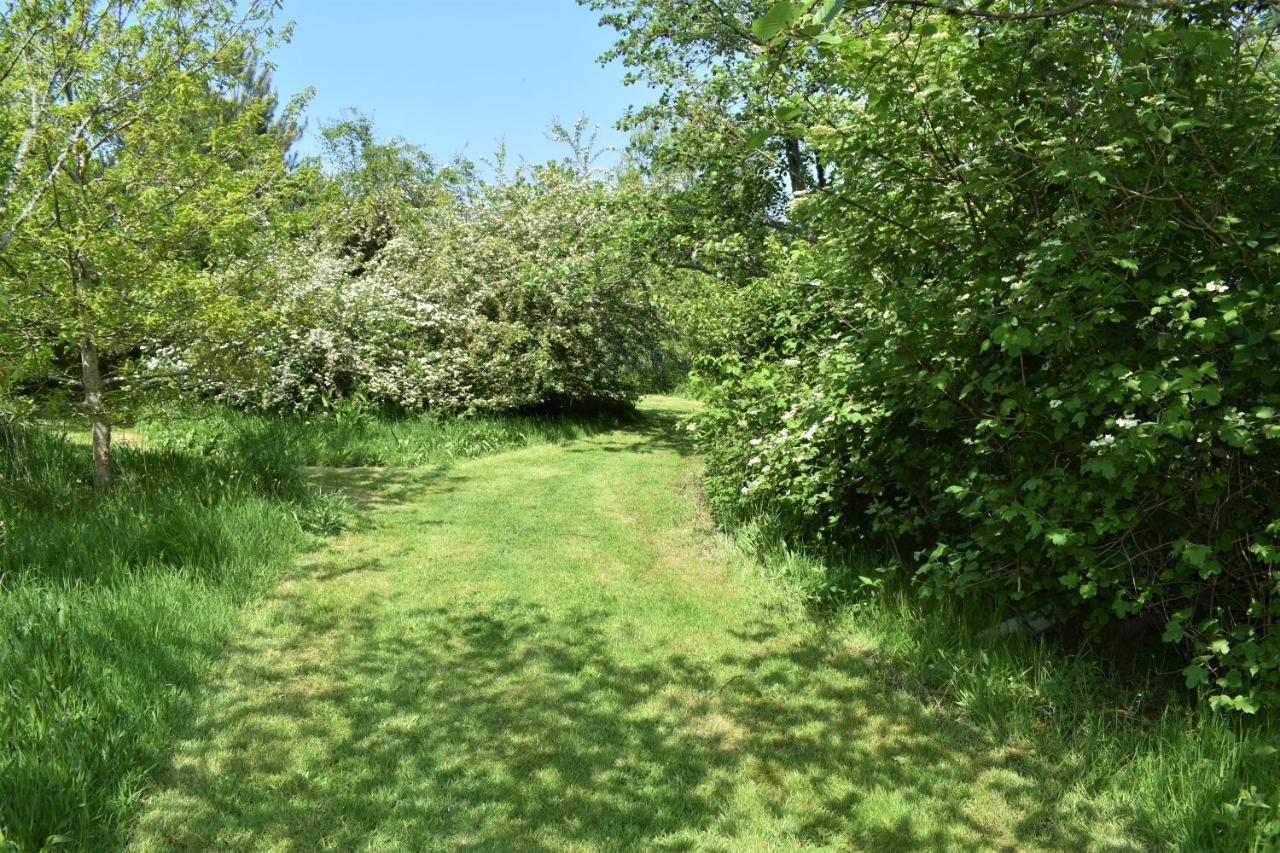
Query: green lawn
(549, 649)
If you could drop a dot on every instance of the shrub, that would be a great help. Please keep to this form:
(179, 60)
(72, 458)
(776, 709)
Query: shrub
(1031, 340)
(517, 295)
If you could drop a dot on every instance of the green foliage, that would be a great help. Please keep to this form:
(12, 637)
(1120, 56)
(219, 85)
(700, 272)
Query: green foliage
(141, 171)
(1028, 339)
(1015, 322)
(141, 162)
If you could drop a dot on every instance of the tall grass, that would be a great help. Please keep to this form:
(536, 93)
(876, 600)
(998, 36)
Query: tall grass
(1108, 730)
(111, 610)
(351, 436)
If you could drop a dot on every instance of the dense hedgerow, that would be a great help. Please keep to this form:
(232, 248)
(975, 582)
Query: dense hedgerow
(1031, 338)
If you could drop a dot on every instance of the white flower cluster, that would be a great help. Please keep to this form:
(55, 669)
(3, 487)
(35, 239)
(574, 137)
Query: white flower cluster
(509, 300)
(785, 447)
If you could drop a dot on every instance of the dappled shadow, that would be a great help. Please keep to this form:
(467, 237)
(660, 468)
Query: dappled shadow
(502, 725)
(650, 431)
(381, 488)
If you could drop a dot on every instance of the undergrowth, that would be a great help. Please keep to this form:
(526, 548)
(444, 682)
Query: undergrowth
(1116, 731)
(351, 435)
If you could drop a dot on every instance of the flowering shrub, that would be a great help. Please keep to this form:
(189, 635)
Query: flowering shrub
(331, 335)
(512, 298)
(1037, 354)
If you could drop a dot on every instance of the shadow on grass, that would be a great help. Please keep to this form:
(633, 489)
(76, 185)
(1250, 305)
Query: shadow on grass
(501, 725)
(383, 488)
(647, 431)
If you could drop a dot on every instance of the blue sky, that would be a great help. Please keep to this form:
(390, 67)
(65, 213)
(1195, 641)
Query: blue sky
(455, 76)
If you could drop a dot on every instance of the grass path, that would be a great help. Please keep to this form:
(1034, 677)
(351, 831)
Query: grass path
(547, 650)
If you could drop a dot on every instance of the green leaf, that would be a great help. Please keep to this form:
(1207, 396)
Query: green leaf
(756, 138)
(1210, 394)
(780, 16)
(787, 113)
(1173, 632)
(827, 12)
(927, 29)
(1195, 676)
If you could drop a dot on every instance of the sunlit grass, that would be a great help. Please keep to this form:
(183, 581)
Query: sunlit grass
(113, 609)
(550, 649)
(354, 437)
(544, 649)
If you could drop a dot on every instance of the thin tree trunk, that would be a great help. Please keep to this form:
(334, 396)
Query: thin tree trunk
(91, 379)
(797, 171)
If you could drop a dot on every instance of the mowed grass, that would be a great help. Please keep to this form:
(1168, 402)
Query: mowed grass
(114, 609)
(549, 649)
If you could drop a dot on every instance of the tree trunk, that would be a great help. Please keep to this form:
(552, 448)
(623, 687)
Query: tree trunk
(797, 171)
(91, 380)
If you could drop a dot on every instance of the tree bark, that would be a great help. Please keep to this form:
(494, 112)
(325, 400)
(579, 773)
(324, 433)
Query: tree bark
(99, 422)
(797, 171)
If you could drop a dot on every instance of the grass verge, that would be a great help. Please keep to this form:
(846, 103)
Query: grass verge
(1114, 734)
(352, 437)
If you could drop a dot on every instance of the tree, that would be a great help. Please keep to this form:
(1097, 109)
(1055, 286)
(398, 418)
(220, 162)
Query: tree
(375, 188)
(124, 152)
(257, 92)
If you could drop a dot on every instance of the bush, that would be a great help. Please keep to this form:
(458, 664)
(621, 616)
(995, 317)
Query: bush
(516, 296)
(1036, 356)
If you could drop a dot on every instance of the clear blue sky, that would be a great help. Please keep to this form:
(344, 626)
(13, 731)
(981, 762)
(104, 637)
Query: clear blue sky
(455, 76)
